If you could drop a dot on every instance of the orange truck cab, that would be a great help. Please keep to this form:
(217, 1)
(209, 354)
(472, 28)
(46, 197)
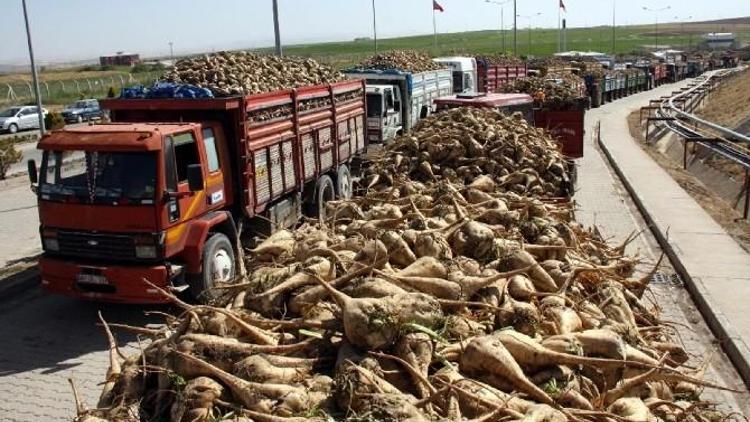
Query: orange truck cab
(159, 195)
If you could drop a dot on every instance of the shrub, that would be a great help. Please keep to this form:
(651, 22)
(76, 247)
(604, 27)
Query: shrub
(54, 120)
(9, 155)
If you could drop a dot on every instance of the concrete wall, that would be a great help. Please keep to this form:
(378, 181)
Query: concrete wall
(731, 189)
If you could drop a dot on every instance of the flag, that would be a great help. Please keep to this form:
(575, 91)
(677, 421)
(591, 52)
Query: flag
(562, 6)
(437, 6)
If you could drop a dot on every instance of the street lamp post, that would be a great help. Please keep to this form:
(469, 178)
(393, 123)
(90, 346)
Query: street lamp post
(34, 76)
(656, 15)
(276, 30)
(682, 27)
(502, 17)
(529, 17)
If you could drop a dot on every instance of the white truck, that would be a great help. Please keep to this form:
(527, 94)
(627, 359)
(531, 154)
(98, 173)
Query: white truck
(397, 99)
(464, 73)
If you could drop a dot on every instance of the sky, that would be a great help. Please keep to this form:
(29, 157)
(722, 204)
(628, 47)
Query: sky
(66, 30)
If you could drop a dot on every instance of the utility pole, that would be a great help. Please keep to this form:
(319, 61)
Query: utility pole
(375, 26)
(34, 76)
(502, 18)
(171, 53)
(276, 29)
(515, 27)
(529, 17)
(614, 27)
(656, 15)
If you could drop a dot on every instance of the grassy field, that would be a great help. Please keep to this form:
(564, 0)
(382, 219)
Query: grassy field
(629, 40)
(60, 87)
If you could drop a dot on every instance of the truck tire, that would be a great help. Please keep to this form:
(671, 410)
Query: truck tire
(324, 191)
(344, 184)
(218, 265)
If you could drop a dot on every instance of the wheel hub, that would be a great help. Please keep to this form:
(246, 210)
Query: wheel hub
(222, 267)
(346, 186)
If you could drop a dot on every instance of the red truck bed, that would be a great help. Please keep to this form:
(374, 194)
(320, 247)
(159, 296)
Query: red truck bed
(491, 77)
(566, 126)
(282, 140)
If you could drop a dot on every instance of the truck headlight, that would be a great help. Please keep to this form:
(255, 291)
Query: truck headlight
(51, 244)
(145, 251)
(49, 240)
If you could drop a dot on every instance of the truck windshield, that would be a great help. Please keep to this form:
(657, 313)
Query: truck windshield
(374, 105)
(98, 177)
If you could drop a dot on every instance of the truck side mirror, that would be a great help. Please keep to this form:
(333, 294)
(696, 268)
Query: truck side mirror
(33, 174)
(195, 177)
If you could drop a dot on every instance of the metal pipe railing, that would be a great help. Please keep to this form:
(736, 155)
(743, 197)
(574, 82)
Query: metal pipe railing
(695, 119)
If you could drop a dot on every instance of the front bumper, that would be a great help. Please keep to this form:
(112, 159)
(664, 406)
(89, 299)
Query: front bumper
(124, 284)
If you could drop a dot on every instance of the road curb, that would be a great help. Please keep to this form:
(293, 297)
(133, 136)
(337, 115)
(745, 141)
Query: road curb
(720, 326)
(19, 282)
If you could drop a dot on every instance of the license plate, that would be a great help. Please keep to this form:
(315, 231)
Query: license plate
(91, 279)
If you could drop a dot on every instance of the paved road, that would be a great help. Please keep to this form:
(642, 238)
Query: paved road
(19, 221)
(48, 339)
(604, 202)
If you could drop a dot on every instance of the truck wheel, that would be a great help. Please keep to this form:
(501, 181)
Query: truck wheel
(218, 267)
(343, 182)
(13, 128)
(324, 192)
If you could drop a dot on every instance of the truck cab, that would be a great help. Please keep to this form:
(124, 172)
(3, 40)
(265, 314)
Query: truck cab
(117, 203)
(464, 73)
(384, 121)
(129, 207)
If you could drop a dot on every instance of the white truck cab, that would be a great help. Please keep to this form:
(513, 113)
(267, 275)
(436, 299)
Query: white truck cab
(464, 73)
(384, 120)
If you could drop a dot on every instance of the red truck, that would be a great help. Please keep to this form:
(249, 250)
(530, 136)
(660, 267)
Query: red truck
(160, 193)
(491, 77)
(566, 126)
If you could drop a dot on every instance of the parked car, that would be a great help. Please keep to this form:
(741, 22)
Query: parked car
(14, 119)
(81, 111)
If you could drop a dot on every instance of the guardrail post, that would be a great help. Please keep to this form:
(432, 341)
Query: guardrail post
(684, 153)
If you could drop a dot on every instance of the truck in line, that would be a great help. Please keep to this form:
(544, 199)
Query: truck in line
(567, 126)
(478, 74)
(165, 202)
(398, 99)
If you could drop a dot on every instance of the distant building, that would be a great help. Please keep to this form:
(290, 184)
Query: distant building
(120, 59)
(719, 40)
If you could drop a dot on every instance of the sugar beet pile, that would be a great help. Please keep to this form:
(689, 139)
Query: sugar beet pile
(242, 73)
(455, 288)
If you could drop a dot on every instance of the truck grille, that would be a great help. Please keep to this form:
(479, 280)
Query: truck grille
(98, 246)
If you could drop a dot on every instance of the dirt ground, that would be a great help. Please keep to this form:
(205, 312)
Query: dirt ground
(729, 105)
(715, 206)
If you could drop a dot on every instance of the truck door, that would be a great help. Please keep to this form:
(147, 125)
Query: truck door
(391, 117)
(397, 109)
(217, 167)
(180, 151)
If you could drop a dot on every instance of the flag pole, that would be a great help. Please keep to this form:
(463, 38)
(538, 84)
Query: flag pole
(559, 29)
(375, 26)
(434, 26)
